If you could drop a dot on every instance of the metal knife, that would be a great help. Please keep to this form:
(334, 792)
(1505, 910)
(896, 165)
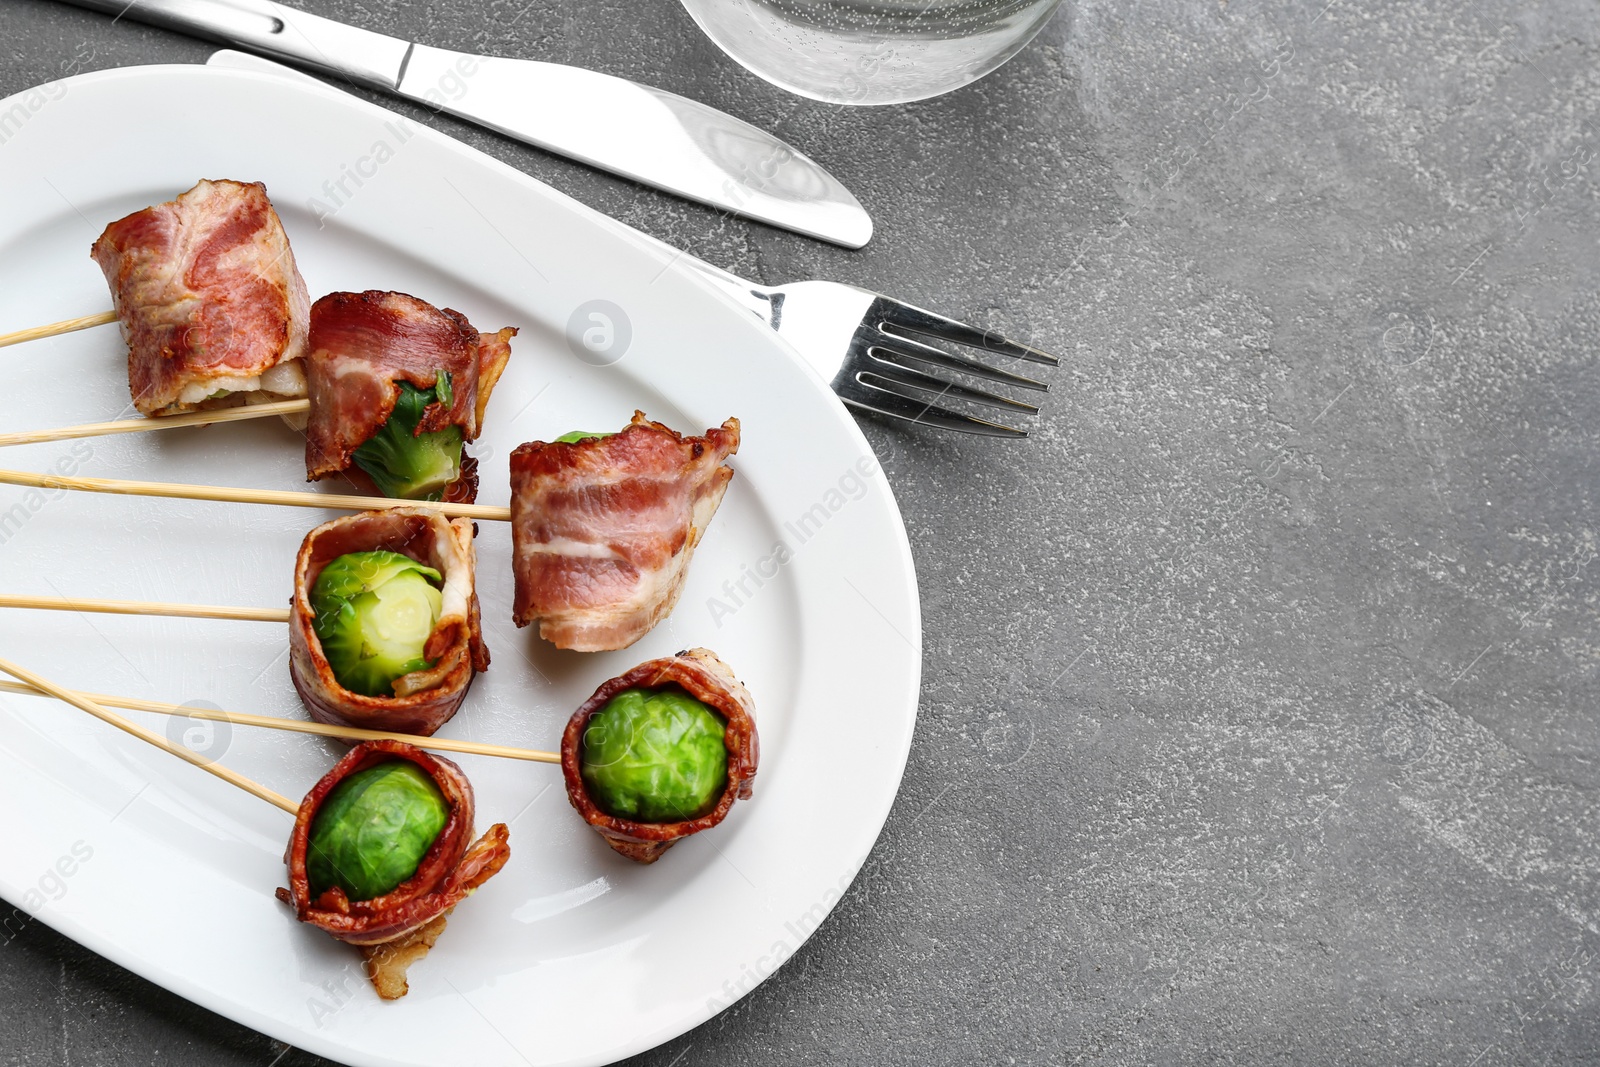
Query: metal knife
(654, 137)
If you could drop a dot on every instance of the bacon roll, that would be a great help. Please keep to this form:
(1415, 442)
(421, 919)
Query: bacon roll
(362, 346)
(424, 700)
(603, 528)
(703, 676)
(212, 307)
(397, 928)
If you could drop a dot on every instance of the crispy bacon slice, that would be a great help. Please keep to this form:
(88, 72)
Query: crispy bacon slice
(703, 676)
(423, 700)
(397, 929)
(602, 530)
(209, 299)
(362, 345)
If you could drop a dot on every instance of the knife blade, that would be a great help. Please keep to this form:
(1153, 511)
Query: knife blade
(651, 136)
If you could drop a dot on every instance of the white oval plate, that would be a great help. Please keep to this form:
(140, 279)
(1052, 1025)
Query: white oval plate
(572, 955)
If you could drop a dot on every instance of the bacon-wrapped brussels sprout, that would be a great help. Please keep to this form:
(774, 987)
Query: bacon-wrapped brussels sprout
(395, 822)
(384, 627)
(397, 386)
(661, 752)
(604, 525)
(211, 304)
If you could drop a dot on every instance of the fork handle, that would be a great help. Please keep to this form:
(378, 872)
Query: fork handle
(748, 294)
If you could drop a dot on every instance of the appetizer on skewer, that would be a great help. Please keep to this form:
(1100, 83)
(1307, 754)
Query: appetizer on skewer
(397, 386)
(382, 847)
(383, 851)
(603, 527)
(384, 627)
(212, 307)
(661, 752)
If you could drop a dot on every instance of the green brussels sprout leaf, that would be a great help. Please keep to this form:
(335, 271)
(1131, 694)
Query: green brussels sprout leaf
(373, 830)
(578, 435)
(360, 572)
(655, 756)
(406, 464)
(374, 613)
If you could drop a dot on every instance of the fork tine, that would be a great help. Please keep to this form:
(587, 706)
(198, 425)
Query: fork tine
(908, 318)
(884, 401)
(915, 379)
(909, 349)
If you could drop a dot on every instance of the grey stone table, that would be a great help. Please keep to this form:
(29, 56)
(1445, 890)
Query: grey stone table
(1258, 721)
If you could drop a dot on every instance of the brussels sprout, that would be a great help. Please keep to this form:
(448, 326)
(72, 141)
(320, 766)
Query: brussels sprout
(373, 830)
(403, 463)
(578, 435)
(655, 756)
(374, 612)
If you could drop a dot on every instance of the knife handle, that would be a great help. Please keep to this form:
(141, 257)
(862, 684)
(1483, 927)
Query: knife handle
(372, 59)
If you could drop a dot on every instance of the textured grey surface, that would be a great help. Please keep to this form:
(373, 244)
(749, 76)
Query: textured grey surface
(1259, 708)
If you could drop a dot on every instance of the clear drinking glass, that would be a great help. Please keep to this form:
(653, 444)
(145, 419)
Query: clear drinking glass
(871, 51)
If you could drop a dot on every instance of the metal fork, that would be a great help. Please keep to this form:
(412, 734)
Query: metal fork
(865, 345)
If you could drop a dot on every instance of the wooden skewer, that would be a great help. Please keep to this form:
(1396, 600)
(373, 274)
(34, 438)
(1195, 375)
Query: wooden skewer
(126, 725)
(159, 422)
(82, 322)
(281, 497)
(143, 607)
(347, 733)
